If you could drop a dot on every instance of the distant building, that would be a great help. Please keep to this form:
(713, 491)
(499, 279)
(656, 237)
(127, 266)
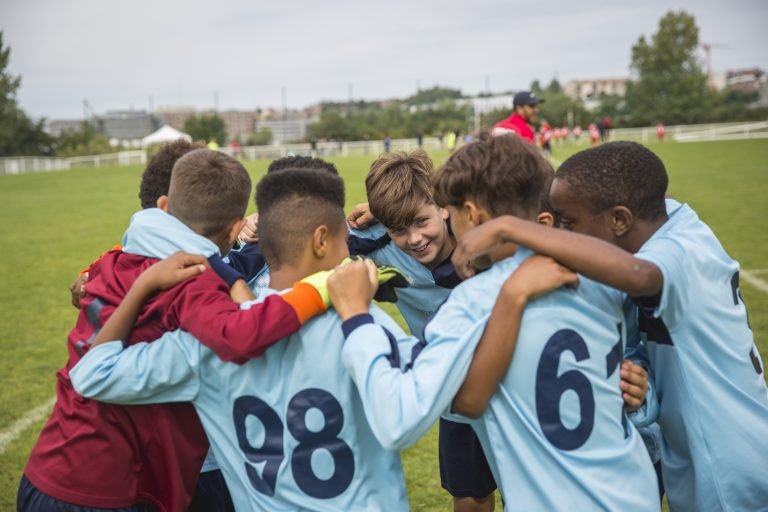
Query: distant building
(240, 124)
(291, 126)
(590, 90)
(746, 80)
(175, 116)
(56, 127)
(487, 104)
(127, 127)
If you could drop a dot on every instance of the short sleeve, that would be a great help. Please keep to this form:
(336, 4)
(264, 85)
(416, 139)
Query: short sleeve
(672, 260)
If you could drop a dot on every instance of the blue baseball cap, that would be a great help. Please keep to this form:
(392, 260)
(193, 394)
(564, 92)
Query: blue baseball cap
(526, 98)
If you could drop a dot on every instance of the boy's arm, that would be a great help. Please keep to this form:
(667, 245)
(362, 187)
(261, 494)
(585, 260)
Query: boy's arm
(205, 310)
(400, 405)
(536, 276)
(145, 373)
(586, 255)
(162, 275)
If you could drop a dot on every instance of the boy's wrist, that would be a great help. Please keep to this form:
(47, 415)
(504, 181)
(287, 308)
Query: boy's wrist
(352, 308)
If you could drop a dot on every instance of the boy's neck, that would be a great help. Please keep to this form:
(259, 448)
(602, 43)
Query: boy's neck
(285, 276)
(641, 232)
(445, 252)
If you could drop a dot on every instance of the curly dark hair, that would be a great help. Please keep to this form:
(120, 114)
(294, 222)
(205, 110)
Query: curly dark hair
(301, 162)
(618, 173)
(157, 176)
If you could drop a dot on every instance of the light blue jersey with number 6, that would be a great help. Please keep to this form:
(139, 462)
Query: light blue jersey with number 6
(288, 429)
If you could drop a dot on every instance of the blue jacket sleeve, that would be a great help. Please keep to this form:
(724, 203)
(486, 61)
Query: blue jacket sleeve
(145, 373)
(248, 261)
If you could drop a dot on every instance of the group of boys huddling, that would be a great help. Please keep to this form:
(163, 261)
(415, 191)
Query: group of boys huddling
(546, 383)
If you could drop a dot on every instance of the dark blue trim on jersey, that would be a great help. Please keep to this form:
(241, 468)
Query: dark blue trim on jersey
(226, 272)
(248, 260)
(353, 323)
(394, 356)
(415, 351)
(365, 246)
(445, 275)
(653, 327)
(356, 321)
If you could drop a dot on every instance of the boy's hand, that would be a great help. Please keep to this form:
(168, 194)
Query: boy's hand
(171, 271)
(634, 385)
(250, 232)
(476, 242)
(352, 287)
(538, 275)
(361, 217)
(77, 289)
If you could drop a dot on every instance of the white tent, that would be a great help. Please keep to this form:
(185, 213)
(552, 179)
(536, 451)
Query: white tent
(164, 134)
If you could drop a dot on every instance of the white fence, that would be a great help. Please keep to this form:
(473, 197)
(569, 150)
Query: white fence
(695, 132)
(26, 164)
(682, 133)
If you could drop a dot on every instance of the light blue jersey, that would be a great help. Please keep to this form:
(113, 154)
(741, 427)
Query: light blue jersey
(422, 298)
(709, 378)
(555, 432)
(156, 234)
(289, 430)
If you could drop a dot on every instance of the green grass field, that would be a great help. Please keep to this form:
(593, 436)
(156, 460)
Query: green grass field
(54, 224)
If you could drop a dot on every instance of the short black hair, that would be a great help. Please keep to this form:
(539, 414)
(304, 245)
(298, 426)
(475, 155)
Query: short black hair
(301, 162)
(156, 179)
(618, 174)
(292, 203)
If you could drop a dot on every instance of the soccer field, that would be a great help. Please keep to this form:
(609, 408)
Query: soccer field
(54, 224)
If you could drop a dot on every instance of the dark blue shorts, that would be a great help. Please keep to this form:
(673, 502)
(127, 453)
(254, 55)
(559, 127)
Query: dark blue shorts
(31, 499)
(211, 494)
(464, 470)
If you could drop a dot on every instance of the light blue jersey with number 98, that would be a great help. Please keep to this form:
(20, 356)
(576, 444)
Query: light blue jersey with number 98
(288, 429)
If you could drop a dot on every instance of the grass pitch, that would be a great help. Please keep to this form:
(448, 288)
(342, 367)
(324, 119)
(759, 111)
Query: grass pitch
(54, 224)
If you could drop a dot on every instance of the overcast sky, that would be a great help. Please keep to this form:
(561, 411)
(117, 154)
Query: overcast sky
(125, 54)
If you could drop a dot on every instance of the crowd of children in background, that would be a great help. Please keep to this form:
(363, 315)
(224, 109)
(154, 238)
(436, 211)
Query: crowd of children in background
(222, 363)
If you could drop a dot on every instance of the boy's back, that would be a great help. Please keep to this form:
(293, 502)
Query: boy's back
(288, 429)
(708, 371)
(86, 453)
(557, 415)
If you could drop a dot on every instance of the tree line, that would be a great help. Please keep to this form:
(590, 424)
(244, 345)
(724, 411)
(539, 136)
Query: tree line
(667, 84)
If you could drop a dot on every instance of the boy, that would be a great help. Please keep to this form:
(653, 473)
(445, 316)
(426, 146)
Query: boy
(103, 456)
(260, 412)
(545, 453)
(416, 238)
(711, 390)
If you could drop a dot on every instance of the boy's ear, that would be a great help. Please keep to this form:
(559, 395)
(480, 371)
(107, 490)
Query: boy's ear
(622, 220)
(162, 203)
(546, 219)
(234, 231)
(320, 241)
(472, 212)
(444, 213)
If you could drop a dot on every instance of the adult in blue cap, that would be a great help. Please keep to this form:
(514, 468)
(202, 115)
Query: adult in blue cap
(526, 105)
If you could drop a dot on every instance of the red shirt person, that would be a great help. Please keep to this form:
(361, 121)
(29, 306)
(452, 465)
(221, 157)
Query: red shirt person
(526, 105)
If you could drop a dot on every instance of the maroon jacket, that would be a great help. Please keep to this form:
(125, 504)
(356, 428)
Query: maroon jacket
(110, 456)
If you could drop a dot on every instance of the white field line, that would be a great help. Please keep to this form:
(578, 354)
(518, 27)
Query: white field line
(9, 435)
(755, 281)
